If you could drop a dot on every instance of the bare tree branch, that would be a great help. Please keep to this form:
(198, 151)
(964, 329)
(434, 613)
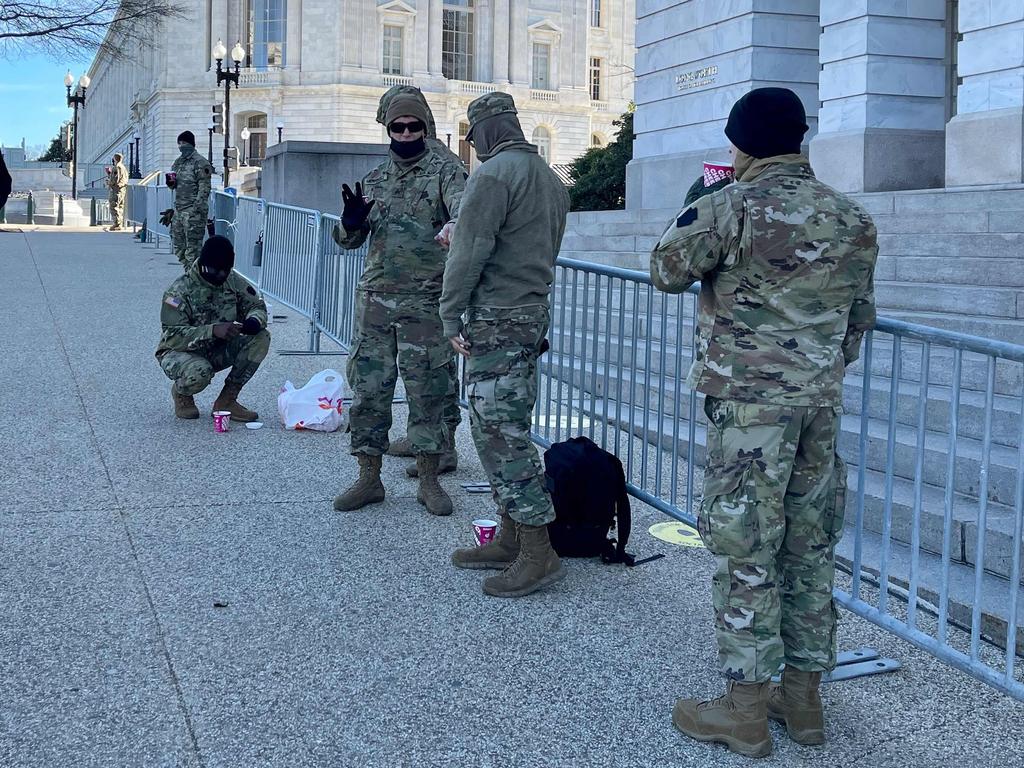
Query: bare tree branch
(63, 28)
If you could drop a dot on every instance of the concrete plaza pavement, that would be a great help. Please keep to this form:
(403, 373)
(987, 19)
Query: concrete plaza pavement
(174, 597)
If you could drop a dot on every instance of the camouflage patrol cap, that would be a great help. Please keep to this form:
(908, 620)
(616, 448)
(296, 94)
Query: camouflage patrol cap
(489, 105)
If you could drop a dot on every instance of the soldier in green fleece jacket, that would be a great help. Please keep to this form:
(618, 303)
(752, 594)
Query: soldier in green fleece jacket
(495, 310)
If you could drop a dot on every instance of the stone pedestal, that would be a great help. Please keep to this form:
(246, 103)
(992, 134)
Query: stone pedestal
(883, 95)
(309, 174)
(985, 139)
(694, 59)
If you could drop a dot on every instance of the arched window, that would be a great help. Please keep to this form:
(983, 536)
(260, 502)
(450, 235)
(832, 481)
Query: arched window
(542, 138)
(256, 146)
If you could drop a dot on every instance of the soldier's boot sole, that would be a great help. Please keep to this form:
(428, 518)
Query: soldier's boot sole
(449, 463)
(688, 727)
(488, 556)
(357, 499)
(494, 588)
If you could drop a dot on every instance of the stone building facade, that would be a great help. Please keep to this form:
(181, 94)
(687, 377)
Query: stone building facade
(901, 94)
(318, 67)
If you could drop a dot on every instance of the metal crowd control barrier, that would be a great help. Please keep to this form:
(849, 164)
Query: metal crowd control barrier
(933, 432)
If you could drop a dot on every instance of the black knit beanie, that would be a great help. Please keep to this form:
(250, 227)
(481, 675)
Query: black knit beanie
(216, 259)
(188, 137)
(767, 122)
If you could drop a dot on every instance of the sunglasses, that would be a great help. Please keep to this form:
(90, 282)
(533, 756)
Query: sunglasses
(414, 127)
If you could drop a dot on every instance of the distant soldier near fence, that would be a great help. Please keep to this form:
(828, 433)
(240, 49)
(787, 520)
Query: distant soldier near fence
(117, 184)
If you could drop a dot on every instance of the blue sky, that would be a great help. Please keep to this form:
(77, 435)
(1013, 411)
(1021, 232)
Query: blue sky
(32, 98)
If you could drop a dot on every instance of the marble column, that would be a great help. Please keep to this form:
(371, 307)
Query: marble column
(417, 47)
(985, 138)
(694, 59)
(434, 39)
(519, 49)
(483, 57)
(881, 124)
(501, 26)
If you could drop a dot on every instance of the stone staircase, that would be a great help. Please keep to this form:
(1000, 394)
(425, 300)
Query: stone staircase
(952, 259)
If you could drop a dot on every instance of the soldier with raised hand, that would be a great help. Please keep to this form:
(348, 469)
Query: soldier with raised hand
(403, 206)
(496, 311)
(786, 268)
(212, 319)
(117, 183)
(449, 460)
(191, 187)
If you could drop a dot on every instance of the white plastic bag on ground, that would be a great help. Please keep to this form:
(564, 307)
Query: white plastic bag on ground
(319, 405)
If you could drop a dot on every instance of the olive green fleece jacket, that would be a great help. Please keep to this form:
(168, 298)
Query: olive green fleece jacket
(510, 228)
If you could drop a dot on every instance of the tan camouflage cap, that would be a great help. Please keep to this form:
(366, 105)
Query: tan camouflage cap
(392, 92)
(489, 105)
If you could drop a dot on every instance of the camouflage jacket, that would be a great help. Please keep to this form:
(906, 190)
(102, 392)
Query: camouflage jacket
(118, 178)
(193, 182)
(786, 266)
(413, 203)
(191, 307)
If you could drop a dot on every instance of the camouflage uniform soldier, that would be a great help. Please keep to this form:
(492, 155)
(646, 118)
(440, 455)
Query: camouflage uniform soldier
(191, 200)
(786, 267)
(212, 319)
(452, 409)
(409, 199)
(499, 276)
(117, 183)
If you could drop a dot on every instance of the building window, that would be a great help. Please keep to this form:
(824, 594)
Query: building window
(465, 148)
(595, 79)
(595, 13)
(542, 66)
(596, 140)
(392, 46)
(542, 138)
(257, 149)
(457, 40)
(267, 27)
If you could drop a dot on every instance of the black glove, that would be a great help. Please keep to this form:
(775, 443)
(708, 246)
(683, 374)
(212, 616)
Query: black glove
(356, 209)
(251, 326)
(166, 216)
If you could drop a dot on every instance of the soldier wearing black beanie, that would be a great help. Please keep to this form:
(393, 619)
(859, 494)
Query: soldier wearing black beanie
(767, 122)
(187, 137)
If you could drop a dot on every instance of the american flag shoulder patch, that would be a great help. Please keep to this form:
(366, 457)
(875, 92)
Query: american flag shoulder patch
(173, 302)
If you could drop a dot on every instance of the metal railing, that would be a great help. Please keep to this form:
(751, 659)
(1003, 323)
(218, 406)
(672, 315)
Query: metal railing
(933, 431)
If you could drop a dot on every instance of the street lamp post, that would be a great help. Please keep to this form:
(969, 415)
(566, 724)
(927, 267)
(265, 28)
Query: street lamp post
(245, 141)
(280, 128)
(131, 160)
(227, 77)
(75, 101)
(138, 158)
(209, 154)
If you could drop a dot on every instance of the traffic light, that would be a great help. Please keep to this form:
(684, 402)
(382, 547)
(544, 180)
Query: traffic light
(218, 118)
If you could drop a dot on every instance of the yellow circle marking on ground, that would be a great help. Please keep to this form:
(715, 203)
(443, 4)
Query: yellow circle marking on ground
(676, 533)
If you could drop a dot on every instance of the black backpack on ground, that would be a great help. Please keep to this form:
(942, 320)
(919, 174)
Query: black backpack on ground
(588, 488)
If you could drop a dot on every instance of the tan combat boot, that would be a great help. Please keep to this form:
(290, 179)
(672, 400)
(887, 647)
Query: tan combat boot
(448, 462)
(499, 553)
(797, 705)
(184, 405)
(430, 493)
(536, 566)
(226, 402)
(739, 719)
(367, 489)
(401, 447)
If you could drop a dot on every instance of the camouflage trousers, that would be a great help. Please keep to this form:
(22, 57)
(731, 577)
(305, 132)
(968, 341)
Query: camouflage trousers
(501, 377)
(116, 200)
(398, 331)
(772, 514)
(188, 228)
(192, 372)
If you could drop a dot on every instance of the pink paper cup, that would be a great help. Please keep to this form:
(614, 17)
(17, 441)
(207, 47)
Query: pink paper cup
(221, 421)
(484, 531)
(714, 172)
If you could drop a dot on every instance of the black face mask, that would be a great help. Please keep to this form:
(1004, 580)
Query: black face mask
(407, 149)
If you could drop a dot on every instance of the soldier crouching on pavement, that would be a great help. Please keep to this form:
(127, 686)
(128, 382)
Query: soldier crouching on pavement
(498, 277)
(449, 460)
(404, 206)
(212, 319)
(786, 266)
